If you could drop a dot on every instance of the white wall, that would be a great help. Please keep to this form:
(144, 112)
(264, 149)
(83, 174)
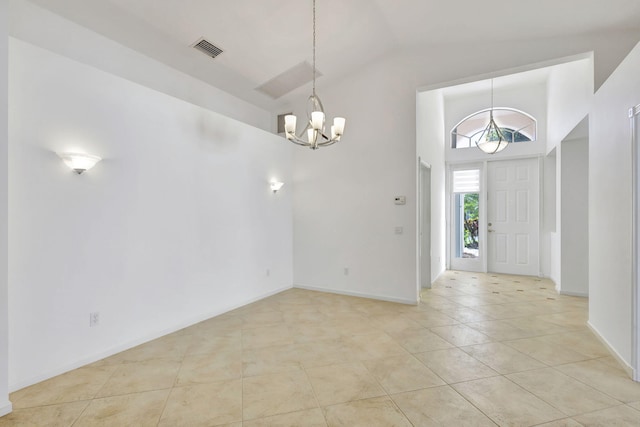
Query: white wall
(574, 217)
(5, 405)
(176, 224)
(344, 215)
(430, 143)
(46, 29)
(344, 211)
(569, 94)
(610, 209)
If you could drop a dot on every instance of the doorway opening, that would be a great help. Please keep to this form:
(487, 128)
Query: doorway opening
(424, 227)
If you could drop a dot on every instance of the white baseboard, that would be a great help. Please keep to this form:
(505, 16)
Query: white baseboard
(130, 344)
(5, 408)
(623, 364)
(575, 294)
(358, 294)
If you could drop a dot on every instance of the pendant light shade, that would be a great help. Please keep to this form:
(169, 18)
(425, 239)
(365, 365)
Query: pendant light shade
(492, 139)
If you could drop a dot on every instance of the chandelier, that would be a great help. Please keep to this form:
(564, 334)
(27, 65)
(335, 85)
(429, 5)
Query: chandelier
(492, 139)
(314, 135)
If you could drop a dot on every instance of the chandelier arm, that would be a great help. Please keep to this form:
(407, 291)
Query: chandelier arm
(303, 132)
(498, 130)
(300, 142)
(484, 132)
(327, 143)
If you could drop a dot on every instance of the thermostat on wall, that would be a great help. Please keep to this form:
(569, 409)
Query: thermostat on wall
(400, 200)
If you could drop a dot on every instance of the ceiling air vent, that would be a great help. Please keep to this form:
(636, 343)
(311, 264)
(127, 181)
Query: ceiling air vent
(207, 48)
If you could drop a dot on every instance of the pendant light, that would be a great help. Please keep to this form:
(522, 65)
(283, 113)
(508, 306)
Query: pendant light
(313, 135)
(492, 139)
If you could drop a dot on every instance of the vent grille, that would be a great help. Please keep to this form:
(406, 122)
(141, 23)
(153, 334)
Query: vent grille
(208, 48)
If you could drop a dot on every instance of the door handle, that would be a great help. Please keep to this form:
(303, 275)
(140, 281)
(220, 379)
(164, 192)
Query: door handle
(490, 231)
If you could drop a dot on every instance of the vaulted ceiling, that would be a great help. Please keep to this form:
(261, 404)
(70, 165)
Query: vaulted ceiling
(262, 39)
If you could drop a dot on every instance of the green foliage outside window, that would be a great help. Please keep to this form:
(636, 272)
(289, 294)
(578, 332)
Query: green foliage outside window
(471, 220)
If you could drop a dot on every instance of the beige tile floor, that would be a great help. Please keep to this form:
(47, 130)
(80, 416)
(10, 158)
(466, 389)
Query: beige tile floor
(480, 350)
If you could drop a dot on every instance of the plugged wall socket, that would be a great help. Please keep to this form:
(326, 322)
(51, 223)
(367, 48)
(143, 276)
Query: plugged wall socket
(94, 319)
(346, 271)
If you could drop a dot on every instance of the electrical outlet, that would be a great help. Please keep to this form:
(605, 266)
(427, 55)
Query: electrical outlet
(94, 319)
(346, 271)
(268, 272)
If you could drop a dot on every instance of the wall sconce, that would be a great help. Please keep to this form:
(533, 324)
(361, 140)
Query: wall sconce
(79, 162)
(276, 185)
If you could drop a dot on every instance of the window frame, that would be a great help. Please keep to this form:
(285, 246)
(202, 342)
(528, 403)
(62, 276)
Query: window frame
(454, 135)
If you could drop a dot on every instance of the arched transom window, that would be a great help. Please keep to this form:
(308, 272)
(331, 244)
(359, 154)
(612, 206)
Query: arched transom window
(516, 126)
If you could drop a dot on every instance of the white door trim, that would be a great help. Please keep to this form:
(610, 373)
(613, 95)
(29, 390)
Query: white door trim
(480, 263)
(634, 114)
(422, 165)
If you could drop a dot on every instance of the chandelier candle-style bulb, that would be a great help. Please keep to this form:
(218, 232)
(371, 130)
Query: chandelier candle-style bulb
(317, 120)
(339, 122)
(290, 124)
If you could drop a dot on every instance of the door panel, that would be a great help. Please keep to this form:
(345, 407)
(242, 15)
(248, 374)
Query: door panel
(522, 205)
(513, 216)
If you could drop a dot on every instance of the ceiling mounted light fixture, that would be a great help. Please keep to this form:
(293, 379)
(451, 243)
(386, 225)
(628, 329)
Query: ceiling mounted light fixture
(313, 135)
(492, 139)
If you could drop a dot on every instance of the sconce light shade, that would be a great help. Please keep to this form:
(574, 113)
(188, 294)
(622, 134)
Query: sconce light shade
(79, 162)
(276, 185)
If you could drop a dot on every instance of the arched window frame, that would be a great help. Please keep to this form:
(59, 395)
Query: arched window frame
(454, 135)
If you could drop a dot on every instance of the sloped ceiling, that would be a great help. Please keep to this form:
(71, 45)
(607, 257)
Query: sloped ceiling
(262, 39)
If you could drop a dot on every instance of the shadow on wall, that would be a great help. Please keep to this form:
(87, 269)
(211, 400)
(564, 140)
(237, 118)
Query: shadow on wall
(215, 135)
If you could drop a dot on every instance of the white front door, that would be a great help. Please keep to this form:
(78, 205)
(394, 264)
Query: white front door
(513, 217)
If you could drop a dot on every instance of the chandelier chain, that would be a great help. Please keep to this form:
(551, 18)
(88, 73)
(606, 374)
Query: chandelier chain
(314, 47)
(492, 95)
(314, 135)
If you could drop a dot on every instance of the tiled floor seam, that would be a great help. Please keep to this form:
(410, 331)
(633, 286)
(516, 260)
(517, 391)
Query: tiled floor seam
(586, 384)
(315, 395)
(166, 400)
(81, 413)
